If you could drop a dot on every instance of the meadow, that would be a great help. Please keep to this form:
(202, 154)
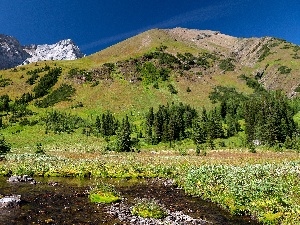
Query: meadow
(264, 184)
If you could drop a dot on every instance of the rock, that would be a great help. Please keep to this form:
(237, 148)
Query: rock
(10, 201)
(123, 213)
(62, 50)
(13, 54)
(24, 178)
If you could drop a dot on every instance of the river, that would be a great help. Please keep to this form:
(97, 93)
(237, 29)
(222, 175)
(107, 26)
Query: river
(65, 201)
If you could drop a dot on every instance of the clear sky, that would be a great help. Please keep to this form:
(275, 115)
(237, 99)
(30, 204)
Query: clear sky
(96, 24)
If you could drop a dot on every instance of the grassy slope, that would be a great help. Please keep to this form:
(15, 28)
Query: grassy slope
(122, 97)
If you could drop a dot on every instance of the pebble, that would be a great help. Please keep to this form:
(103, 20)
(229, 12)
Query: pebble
(123, 213)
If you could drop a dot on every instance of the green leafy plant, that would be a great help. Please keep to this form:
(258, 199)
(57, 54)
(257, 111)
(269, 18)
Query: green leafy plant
(284, 70)
(39, 149)
(104, 193)
(148, 208)
(269, 191)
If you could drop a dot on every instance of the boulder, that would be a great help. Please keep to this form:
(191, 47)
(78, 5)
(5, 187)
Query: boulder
(24, 178)
(10, 201)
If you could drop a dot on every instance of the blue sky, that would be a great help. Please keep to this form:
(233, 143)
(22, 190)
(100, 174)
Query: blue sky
(95, 25)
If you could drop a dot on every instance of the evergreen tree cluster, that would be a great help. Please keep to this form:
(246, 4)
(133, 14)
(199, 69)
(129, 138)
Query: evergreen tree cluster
(209, 126)
(169, 123)
(268, 116)
(106, 124)
(46, 82)
(269, 119)
(4, 103)
(62, 93)
(59, 122)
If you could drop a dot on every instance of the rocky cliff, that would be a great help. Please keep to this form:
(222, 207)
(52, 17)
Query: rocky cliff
(12, 53)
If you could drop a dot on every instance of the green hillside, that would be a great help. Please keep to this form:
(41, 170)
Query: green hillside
(157, 67)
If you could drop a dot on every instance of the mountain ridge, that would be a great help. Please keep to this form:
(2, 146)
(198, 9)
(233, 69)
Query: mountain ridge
(265, 56)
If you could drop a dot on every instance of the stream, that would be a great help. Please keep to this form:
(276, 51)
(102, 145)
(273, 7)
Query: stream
(65, 201)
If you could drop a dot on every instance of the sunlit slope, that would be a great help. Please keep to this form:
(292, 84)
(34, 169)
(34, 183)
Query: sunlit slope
(273, 62)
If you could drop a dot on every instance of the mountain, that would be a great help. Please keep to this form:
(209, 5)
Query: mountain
(273, 62)
(12, 53)
(161, 66)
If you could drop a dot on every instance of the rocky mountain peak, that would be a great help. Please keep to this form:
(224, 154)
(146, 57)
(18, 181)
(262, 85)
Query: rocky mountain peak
(62, 50)
(12, 53)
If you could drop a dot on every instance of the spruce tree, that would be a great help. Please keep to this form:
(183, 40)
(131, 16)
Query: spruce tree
(124, 143)
(149, 125)
(199, 134)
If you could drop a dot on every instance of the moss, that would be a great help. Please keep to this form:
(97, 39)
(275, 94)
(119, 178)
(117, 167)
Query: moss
(104, 193)
(104, 198)
(148, 209)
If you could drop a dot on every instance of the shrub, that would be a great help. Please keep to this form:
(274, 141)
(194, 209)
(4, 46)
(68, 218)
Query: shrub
(227, 65)
(265, 51)
(297, 89)
(39, 149)
(284, 70)
(5, 81)
(172, 89)
(31, 80)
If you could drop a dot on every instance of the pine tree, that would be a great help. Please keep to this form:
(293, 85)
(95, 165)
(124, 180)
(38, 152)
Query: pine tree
(149, 125)
(124, 143)
(98, 125)
(4, 146)
(199, 134)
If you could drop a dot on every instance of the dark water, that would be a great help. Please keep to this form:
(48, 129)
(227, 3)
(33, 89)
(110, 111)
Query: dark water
(67, 202)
